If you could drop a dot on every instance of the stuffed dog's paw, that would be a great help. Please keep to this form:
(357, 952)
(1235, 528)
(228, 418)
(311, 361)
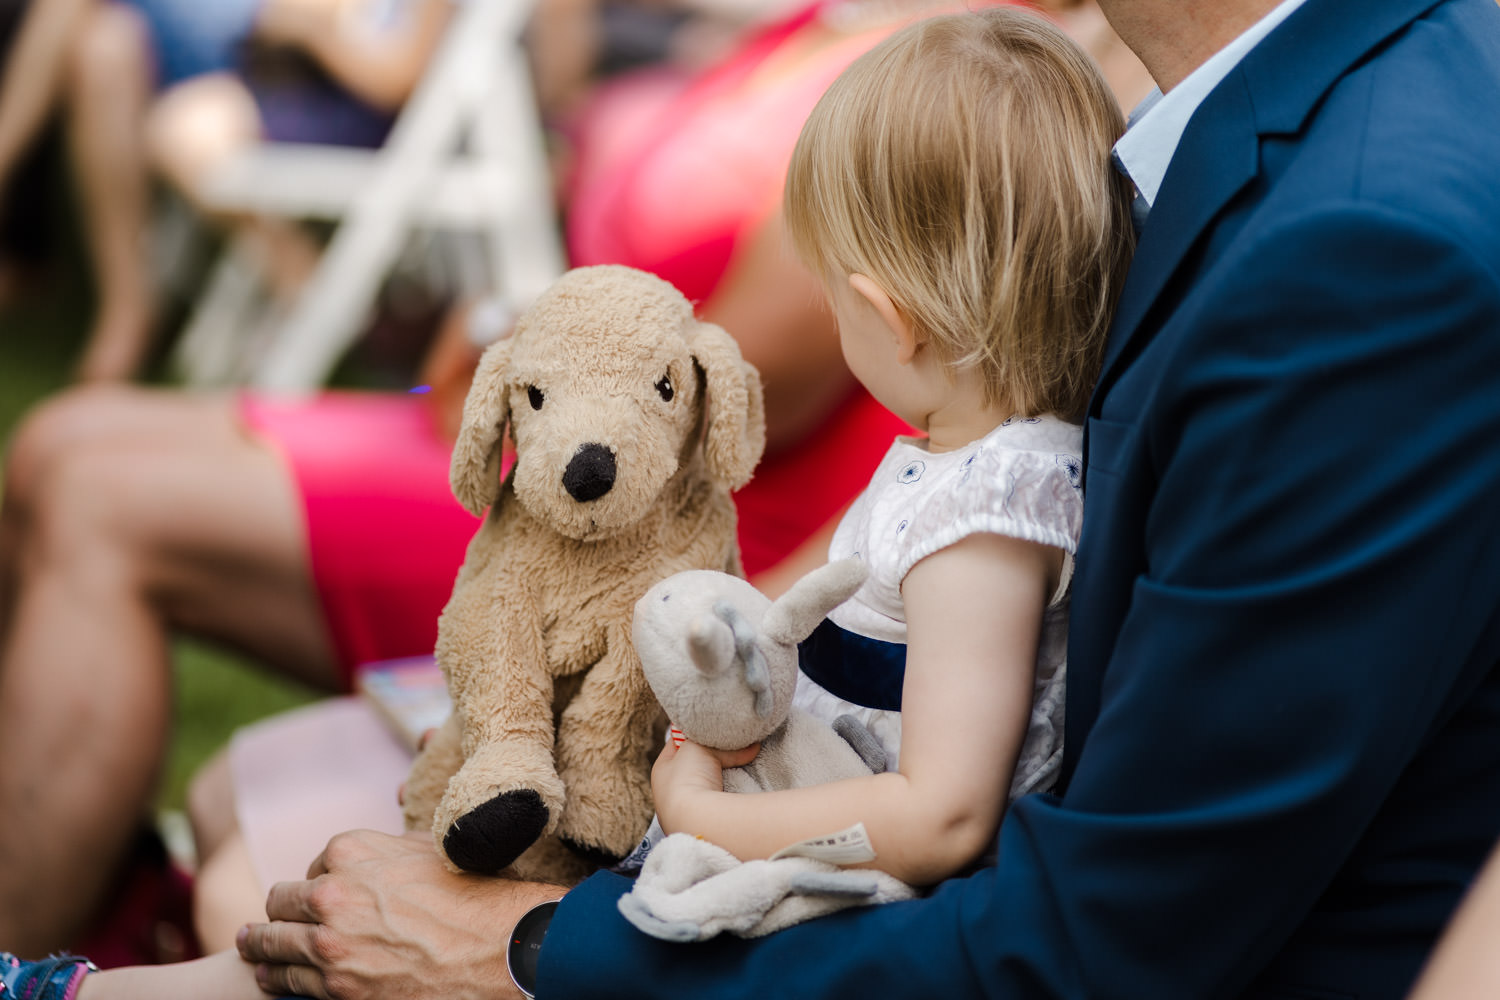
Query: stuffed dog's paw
(503, 799)
(492, 835)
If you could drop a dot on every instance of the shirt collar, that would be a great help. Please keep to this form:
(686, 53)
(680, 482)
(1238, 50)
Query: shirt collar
(1157, 123)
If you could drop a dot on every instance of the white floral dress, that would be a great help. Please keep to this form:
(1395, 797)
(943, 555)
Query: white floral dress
(1020, 480)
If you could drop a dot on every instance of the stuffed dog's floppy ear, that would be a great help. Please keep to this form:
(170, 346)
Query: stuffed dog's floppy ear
(734, 407)
(475, 472)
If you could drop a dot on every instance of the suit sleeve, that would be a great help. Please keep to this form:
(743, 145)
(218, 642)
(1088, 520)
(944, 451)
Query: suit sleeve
(1317, 603)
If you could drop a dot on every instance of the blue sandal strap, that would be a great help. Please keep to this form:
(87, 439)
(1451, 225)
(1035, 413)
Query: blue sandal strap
(53, 978)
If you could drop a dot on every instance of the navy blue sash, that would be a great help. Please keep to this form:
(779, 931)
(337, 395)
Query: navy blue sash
(854, 667)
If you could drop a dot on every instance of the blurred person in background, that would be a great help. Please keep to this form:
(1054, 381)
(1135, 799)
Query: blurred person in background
(177, 86)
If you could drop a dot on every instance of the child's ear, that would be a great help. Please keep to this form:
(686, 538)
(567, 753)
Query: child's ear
(902, 331)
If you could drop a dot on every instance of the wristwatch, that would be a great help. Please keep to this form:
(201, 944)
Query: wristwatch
(526, 946)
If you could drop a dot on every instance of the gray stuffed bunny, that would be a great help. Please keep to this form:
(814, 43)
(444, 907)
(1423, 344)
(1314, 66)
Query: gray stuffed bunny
(722, 660)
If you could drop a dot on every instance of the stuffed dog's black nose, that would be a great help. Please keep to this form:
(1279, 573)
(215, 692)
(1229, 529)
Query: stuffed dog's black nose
(590, 474)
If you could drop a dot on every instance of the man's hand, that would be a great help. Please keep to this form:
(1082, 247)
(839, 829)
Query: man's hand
(379, 917)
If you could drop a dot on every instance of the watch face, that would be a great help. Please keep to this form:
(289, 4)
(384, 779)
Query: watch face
(526, 946)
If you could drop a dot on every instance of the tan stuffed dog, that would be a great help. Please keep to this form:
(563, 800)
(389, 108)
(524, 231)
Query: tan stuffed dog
(632, 422)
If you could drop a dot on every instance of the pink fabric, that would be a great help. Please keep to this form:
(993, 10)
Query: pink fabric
(796, 492)
(651, 143)
(70, 992)
(384, 534)
(302, 776)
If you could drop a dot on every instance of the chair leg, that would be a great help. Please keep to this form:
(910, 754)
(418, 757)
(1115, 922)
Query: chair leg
(211, 349)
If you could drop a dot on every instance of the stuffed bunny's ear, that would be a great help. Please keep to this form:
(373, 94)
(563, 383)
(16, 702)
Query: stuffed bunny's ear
(735, 408)
(475, 472)
(796, 613)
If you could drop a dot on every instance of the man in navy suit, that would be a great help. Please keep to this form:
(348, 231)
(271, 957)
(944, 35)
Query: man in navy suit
(1283, 734)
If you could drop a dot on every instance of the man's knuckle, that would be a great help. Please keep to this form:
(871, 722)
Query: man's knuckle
(327, 946)
(343, 849)
(298, 980)
(341, 987)
(324, 896)
(278, 979)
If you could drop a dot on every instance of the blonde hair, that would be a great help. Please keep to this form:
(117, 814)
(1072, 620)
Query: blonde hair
(964, 165)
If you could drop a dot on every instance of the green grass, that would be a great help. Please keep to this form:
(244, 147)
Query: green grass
(40, 335)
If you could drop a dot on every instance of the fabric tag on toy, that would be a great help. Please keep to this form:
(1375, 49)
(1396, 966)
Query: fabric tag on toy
(676, 736)
(636, 859)
(847, 847)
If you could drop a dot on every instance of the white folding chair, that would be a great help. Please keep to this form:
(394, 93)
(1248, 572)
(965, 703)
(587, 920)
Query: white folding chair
(465, 155)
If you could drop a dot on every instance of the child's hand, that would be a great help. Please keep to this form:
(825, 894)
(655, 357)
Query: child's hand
(686, 776)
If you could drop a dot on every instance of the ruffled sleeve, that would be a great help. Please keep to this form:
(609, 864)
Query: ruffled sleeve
(1032, 495)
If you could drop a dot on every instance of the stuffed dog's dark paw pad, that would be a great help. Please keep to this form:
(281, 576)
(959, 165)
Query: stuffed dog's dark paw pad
(492, 835)
(596, 856)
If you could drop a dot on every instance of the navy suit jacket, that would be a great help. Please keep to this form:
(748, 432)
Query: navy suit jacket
(1283, 733)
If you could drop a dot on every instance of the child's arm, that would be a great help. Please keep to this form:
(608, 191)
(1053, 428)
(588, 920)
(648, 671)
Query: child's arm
(223, 976)
(974, 613)
(379, 64)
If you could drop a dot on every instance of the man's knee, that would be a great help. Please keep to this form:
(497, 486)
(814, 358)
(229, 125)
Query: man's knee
(55, 429)
(71, 486)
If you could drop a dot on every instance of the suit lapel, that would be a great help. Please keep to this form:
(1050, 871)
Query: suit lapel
(1215, 159)
(1273, 91)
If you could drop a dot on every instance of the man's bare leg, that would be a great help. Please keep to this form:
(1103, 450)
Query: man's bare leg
(134, 513)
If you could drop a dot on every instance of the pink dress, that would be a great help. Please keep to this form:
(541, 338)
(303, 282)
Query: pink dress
(384, 535)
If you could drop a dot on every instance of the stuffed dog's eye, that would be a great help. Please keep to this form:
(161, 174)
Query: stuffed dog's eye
(535, 396)
(664, 387)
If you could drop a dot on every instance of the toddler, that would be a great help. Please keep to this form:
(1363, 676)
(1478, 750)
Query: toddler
(954, 190)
